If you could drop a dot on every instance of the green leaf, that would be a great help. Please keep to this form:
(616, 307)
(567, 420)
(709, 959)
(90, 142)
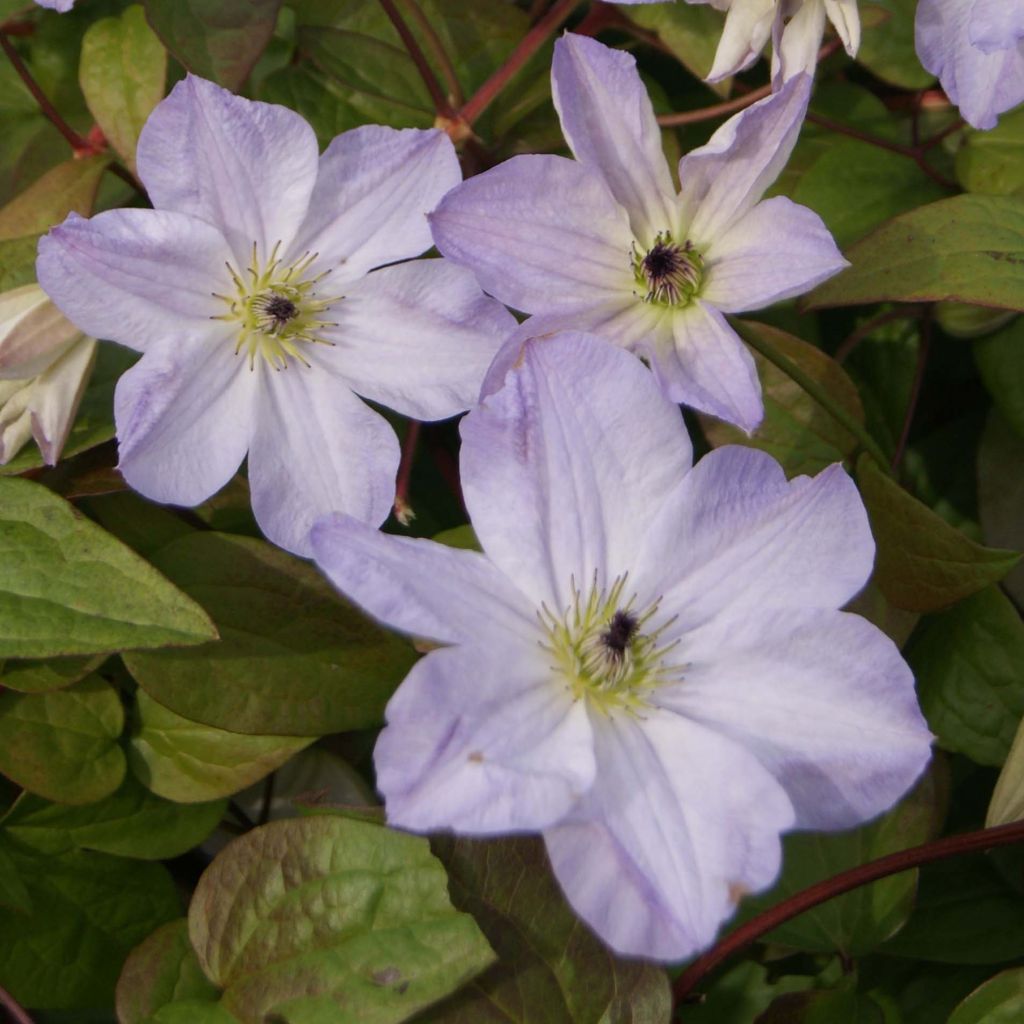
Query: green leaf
(922, 563)
(13, 891)
(1000, 468)
(887, 47)
(187, 761)
(740, 994)
(964, 249)
(129, 823)
(796, 430)
(69, 187)
(857, 922)
(314, 95)
(1000, 361)
(1008, 797)
(63, 745)
(122, 72)
(67, 587)
(999, 1001)
(88, 911)
(294, 658)
(968, 666)
(313, 918)
(163, 969)
(217, 39)
(42, 676)
(837, 1007)
(992, 162)
(551, 967)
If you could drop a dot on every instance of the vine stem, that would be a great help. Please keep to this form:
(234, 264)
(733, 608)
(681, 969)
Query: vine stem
(17, 1014)
(807, 899)
(858, 334)
(441, 105)
(436, 47)
(923, 346)
(403, 510)
(528, 46)
(821, 396)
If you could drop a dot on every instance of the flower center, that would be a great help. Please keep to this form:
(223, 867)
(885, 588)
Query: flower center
(601, 646)
(277, 309)
(670, 273)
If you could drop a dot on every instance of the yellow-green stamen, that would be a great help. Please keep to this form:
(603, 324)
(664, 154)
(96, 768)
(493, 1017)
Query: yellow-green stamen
(670, 274)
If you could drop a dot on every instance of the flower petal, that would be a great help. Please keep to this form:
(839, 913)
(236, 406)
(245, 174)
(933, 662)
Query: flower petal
(747, 28)
(317, 449)
(137, 277)
(375, 188)
(56, 396)
(609, 123)
(738, 536)
(723, 179)
(778, 250)
(795, 42)
(247, 168)
(448, 595)
(845, 16)
(482, 746)
(541, 233)
(184, 418)
(996, 25)
(565, 468)
(679, 822)
(418, 337)
(822, 698)
(702, 363)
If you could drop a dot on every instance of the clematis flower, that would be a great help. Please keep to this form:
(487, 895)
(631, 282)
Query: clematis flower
(45, 364)
(976, 48)
(646, 663)
(251, 292)
(63, 6)
(796, 28)
(605, 244)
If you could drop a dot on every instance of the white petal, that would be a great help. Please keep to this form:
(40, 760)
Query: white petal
(33, 333)
(704, 364)
(723, 179)
(137, 277)
(822, 698)
(482, 746)
(845, 16)
(418, 337)
(15, 418)
(609, 123)
(776, 251)
(738, 536)
(747, 27)
(375, 188)
(564, 469)
(56, 396)
(679, 823)
(317, 449)
(796, 41)
(542, 234)
(184, 418)
(247, 168)
(448, 595)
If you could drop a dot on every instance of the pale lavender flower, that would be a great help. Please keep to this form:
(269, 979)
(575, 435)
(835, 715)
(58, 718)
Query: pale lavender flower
(976, 48)
(63, 6)
(646, 663)
(605, 244)
(248, 291)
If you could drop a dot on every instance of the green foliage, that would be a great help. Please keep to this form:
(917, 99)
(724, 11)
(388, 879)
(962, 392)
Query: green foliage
(999, 1001)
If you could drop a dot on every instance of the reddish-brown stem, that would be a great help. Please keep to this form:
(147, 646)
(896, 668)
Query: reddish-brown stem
(954, 126)
(856, 336)
(923, 345)
(528, 46)
(14, 1010)
(403, 510)
(894, 863)
(441, 105)
(75, 141)
(436, 47)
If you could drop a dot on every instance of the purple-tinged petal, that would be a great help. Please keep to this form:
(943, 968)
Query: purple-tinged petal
(33, 333)
(317, 449)
(62, 6)
(135, 276)
(778, 250)
(184, 417)
(541, 233)
(56, 397)
(747, 28)
(418, 337)
(845, 17)
(983, 85)
(701, 362)
(996, 25)
(679, 823)
(822, 698)
(609, 124)
(375, 188)
(737, 536)
(565, 468)
(448, 595)
(795, 41)
(483, 745)
(247, 168)
(724, 179)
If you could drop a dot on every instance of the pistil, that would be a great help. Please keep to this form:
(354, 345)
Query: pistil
(670, 273)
